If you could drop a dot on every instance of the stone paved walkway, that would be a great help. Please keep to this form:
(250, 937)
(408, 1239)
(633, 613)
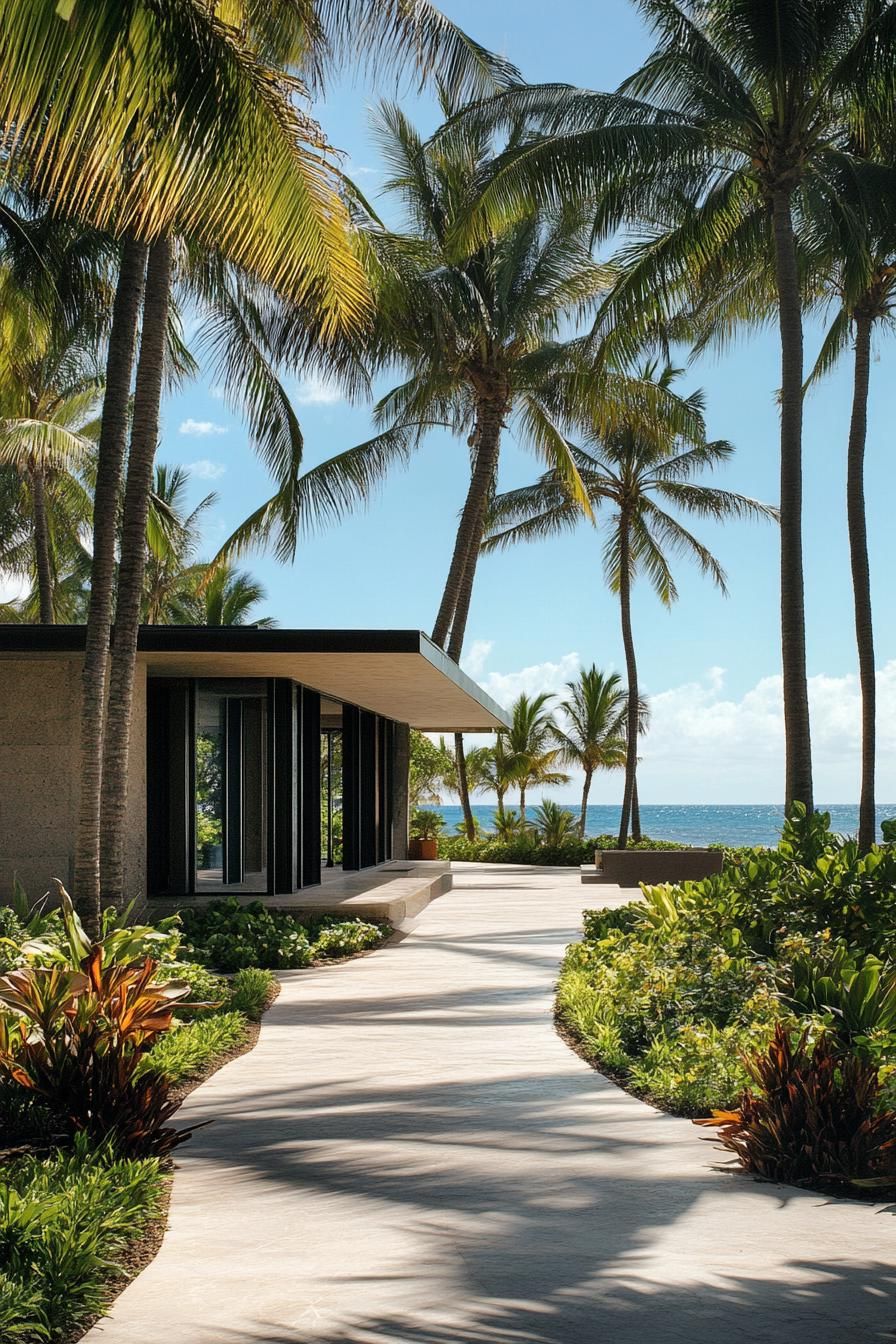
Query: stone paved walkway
(412, 1154)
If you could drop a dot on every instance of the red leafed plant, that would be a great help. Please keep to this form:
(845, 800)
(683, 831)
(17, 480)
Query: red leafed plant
(76, 1039)
(813, 1116)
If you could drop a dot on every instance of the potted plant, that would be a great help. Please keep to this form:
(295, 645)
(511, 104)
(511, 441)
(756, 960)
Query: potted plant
(425, 829)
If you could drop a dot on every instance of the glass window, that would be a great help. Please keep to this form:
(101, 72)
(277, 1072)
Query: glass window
(231, 800)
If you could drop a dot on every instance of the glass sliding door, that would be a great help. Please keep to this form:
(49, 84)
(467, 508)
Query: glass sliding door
(231, 791)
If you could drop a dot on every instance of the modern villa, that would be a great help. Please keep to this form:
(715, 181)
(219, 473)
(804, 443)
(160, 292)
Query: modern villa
(255, 753)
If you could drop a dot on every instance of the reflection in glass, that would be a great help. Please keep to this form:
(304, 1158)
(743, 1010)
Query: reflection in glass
(231, 792)
(331, 797)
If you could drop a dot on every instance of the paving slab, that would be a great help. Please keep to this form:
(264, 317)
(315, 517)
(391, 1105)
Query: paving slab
(412, 1154)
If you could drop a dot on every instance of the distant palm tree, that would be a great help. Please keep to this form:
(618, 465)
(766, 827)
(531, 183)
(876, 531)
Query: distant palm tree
(635, 472)
(593, 736)
(490, 769)
(528, 744)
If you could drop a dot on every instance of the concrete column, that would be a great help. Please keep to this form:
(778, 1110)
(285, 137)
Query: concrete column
(401, 764)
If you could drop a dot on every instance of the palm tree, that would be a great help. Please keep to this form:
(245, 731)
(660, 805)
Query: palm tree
(862, 280)
(593, 736)
(636, 472)
(477, 334)
(173, 538)
(528, 745)
(738, 118)
(490, 769)
(220, 596)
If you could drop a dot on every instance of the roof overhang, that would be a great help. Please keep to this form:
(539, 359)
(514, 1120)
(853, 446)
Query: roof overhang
(400, 674)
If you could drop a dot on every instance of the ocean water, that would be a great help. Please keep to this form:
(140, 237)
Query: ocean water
(692, 824)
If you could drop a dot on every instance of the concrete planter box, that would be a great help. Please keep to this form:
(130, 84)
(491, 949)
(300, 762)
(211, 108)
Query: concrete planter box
(629, 867)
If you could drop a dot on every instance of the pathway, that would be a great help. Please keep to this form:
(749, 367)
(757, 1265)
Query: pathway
(411, 1154)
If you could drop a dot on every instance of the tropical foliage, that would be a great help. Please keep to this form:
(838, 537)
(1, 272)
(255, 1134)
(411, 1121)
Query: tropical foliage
(766, 994)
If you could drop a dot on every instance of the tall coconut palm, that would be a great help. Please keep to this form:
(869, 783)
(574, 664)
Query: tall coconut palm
(637, 474)
(861, 279)
(477, 334)
(741, 114)
(592, 737)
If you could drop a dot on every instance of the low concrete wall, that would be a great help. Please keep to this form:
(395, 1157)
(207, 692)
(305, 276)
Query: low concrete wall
(629, 867)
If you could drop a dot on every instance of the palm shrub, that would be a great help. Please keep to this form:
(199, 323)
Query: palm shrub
(553, 824)
(426, 824)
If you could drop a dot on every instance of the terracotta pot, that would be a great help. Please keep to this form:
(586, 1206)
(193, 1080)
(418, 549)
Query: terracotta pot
(423, 849)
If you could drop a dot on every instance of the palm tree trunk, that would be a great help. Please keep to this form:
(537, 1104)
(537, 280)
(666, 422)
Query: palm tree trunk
(522, 803)
(461, 572)
(107, 495)
(455, 605)
(586, 789)
(132, 567)
(631, 671)
(636, 811)
(797, 738)
(42, 546)
(861, 578)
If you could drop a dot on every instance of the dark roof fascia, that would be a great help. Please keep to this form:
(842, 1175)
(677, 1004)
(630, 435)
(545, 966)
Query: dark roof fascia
(226, 639)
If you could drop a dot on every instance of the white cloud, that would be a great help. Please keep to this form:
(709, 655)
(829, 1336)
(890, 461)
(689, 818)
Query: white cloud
(206, 469)
(506, 686)
(317, 391)
(12, 587)
(708, 746)
(201, 428)
(473, 662)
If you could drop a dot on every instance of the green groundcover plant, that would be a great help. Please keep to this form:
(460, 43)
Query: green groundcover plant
(66, 1221)
(680, 995)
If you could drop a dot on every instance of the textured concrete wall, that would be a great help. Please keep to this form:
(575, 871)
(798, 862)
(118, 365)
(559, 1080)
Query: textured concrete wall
(39, 761)
(39, 702)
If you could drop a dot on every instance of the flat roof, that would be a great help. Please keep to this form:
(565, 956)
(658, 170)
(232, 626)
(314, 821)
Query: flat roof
(400, 674)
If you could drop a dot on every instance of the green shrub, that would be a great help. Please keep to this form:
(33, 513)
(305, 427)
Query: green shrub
(347, 936)
(234, 937)
(677, 991)
(12, 936)
(527, 848)
(205, 986)
(689, 1071)
(231, 936)
(250, 992)
(187, 1050)
(64, 1223)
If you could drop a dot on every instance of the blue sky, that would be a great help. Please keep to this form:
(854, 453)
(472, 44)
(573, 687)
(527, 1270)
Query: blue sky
(711, 662)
